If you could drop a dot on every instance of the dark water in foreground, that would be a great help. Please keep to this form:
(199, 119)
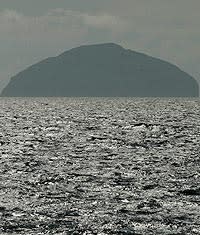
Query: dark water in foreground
(99, 166)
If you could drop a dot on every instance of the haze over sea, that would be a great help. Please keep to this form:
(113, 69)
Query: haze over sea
(99, 165)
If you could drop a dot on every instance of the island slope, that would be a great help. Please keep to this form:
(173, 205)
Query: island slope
(103, 70)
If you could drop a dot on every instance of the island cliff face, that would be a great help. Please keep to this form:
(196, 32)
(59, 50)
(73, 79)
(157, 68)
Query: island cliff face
(102, 70)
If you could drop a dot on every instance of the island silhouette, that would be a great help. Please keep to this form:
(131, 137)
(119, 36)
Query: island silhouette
(102, 70)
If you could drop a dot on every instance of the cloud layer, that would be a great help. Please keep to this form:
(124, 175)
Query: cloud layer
(57, 22)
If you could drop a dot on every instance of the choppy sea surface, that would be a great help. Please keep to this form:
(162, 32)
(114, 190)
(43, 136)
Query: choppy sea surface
(99, 166)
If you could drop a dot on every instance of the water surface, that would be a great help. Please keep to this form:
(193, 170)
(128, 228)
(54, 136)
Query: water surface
(99, 166)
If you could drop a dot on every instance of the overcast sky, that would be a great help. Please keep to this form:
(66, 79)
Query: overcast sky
(31, 30)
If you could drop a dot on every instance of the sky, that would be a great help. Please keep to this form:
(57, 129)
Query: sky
(32, 30)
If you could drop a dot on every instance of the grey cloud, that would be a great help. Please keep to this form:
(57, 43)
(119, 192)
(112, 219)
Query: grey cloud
(65, 22)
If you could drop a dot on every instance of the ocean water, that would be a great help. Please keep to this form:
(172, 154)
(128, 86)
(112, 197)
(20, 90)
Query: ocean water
(99, 166)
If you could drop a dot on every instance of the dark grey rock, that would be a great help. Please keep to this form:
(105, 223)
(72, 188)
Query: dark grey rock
(102, 70)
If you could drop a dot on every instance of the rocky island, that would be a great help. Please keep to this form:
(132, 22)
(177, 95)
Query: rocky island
(103, 70)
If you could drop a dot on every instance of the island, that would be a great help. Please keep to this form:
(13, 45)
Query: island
(102, 70)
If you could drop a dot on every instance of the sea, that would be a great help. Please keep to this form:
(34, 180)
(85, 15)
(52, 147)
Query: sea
(99, 166)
